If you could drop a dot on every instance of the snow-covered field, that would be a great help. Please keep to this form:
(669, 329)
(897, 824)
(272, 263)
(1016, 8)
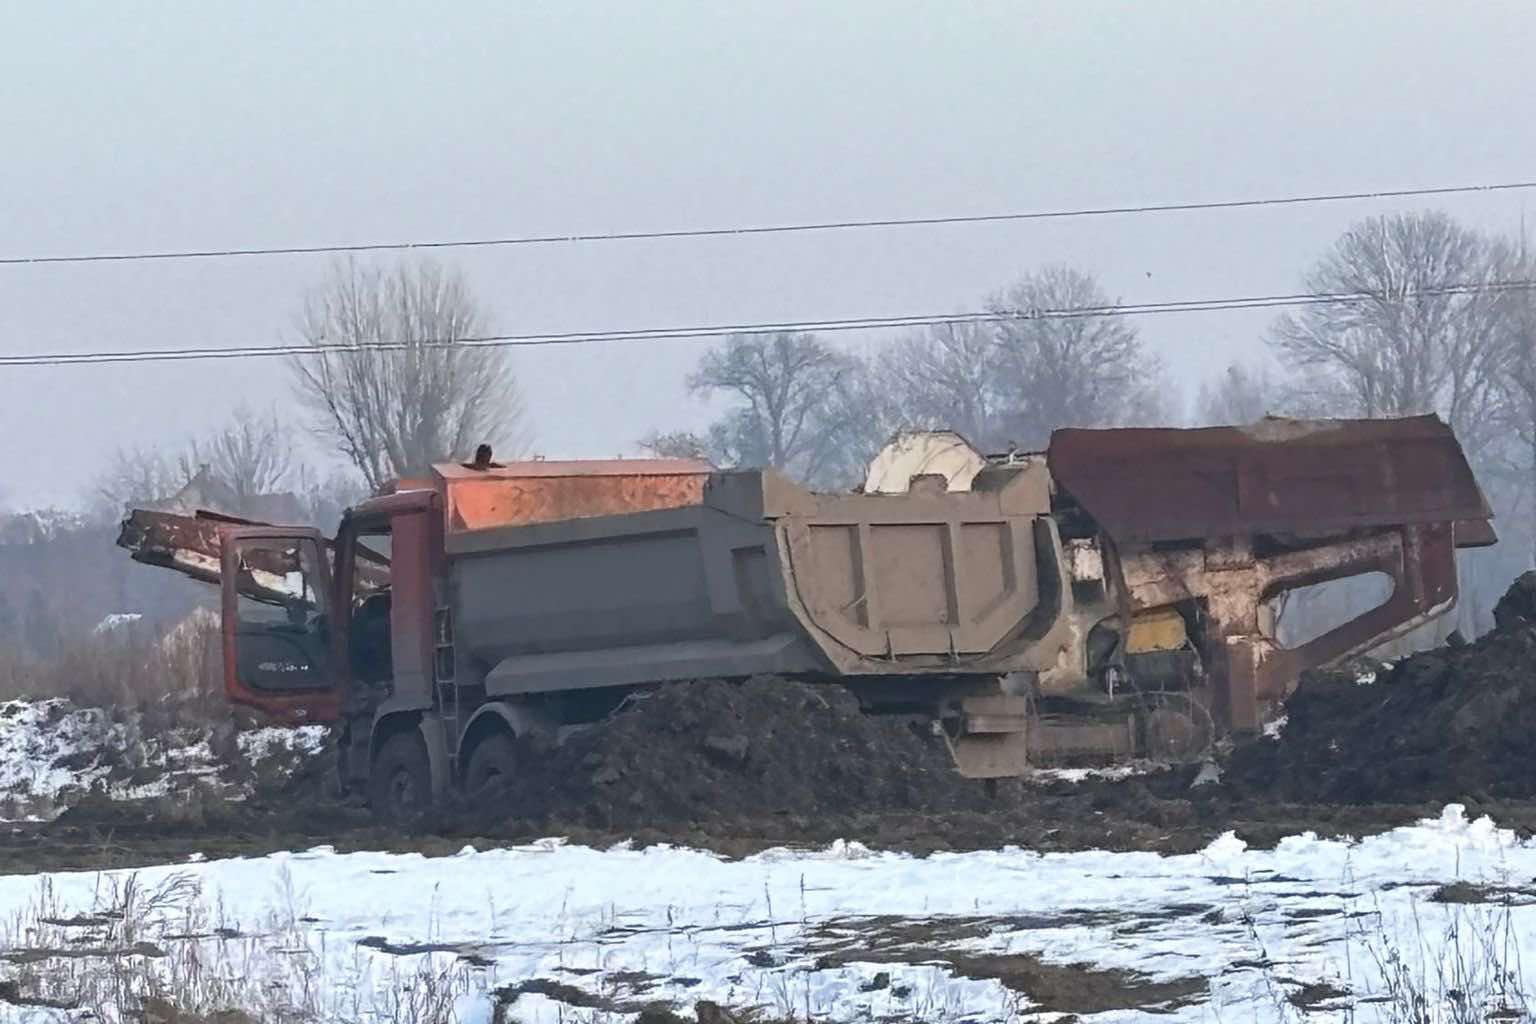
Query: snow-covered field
(53, 752)
(1228, 934)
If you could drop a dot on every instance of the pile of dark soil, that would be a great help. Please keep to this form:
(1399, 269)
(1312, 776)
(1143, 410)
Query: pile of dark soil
(737, 767)
(710, 752)
(1456, 723)
(740, 767)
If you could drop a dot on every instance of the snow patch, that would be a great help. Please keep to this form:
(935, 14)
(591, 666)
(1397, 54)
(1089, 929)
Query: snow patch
(785, 930)
(53, 752)
(1106, 773)
(260, 744)
(117, 621)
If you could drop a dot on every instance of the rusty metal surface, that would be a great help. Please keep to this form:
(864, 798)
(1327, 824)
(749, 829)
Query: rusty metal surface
(193, 545)
(1475, 533)
(1055, 739)
(187, 544)
(321, 704)
(541, 492)
(1271, 507)
(928, 593)
(988, 737)
(1275, 476)
(1232, 586)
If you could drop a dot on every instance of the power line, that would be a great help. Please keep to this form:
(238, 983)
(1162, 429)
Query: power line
(650, 334)
(766, 229)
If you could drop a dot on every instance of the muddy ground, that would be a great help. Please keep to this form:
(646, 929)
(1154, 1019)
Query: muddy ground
(1457, 723)
(1154, 814)
(738, 768)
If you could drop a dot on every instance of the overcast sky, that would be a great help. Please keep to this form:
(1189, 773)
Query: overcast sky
(193, 125)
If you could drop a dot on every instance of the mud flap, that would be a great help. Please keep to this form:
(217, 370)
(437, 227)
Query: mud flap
(988, 737)
(434, 737)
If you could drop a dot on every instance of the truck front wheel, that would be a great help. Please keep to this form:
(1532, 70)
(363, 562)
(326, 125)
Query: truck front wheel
(400, 784)
(492, 763)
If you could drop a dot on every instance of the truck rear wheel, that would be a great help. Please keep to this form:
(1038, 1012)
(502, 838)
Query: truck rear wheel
(400, 784)
(493, 762)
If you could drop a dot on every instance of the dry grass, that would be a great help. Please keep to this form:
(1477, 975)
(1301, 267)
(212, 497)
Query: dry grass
(1467, 971)
(125, 669)
(1449, 963)
(165, 953)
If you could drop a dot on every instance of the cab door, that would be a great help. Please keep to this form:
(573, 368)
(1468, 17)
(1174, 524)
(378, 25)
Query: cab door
(277, 623)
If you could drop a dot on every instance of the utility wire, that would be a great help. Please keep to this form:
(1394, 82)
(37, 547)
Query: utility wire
(767, 229)
(650, 334)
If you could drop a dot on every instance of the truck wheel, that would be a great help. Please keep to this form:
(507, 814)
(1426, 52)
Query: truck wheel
(400, 784)
(493, 762)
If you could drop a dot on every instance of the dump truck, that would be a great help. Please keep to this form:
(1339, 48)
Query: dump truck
(1111, 597)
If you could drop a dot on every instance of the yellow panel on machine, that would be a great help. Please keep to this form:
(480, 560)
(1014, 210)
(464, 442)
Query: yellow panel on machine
(1161, 629)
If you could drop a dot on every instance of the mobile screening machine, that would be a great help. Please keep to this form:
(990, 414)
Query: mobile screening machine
(1108, 598)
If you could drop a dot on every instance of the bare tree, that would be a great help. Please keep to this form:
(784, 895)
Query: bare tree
(1069, 370)
(249, 456)
(404, 388)
(1313, 394)
(946, 378)
(676, 444)
(252, 455)
(1517, 385)
(1238, 395)
(324, 498)
(1018, 380)
(859, 417)
(782, 387)
(137, 476)
(1409, 343)
(1425, 330)
(1243, 394)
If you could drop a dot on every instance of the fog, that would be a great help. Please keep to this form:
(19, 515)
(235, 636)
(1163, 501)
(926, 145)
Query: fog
(176, 125)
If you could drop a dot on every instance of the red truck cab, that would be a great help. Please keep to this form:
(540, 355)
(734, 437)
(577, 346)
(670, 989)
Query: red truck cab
(359, 630)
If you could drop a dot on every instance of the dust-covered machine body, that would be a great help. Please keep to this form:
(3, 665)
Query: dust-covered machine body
(1110, 597)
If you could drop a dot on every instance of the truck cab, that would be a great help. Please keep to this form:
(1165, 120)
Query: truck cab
(358, 632)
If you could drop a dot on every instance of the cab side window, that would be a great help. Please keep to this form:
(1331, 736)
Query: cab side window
(370, 636)
(281, 629)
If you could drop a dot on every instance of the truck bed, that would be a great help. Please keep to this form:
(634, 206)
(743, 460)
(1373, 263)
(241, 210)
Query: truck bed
(760, 576)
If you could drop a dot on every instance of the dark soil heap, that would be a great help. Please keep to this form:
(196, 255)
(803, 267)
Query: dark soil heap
(740, 767)
(1454, 723)
(709, 752)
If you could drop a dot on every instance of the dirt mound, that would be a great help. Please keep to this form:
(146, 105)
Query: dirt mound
(739, 767)
(1518, 605)
(1454, 723)
(708, 752)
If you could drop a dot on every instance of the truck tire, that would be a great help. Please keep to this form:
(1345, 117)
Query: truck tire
(400, 784)
(493, 762)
